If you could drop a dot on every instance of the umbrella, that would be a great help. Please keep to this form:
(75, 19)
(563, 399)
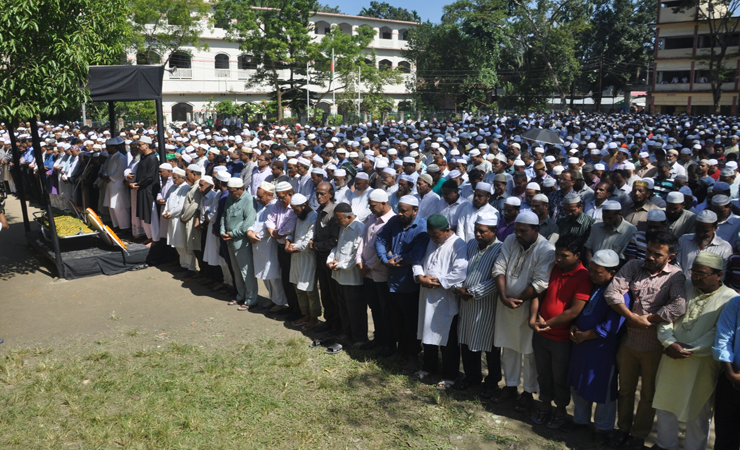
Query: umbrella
(546, 136)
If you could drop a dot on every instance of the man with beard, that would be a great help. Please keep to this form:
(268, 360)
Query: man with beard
(280, 223)
(404, 188)
(238, 217)
(729, 223)
(146, 184)
(680, 221)
(557, 198)
(477, 295)
(637, 213)
(656, 222)
(704, 239)
(522, 272)
(399, 245)
(512, 205)
(658, 292)
(469, 213)
(116, 197)
(499, 192)
(359, 197)
(429, 202)
(176, 236)
(574, 222)
(409, 168)
(248, 165)
(613, 233)
(303, 263)
(548, 228)
(188, 218)
(342, 194)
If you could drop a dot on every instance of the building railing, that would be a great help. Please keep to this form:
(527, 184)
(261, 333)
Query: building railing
(181, 74)
(223, 73)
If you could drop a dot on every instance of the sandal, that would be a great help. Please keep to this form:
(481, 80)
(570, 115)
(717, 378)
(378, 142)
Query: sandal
(445, 384)
(333, 349)
(556, 422)
(243, 307)
(539, 417)
(232, 303)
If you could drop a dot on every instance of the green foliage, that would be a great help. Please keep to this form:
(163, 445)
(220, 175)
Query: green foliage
(383, 10)
(144, 111)
(328, 9)
(277, 35)
(335, 120)
(162, 27)
(47, 47)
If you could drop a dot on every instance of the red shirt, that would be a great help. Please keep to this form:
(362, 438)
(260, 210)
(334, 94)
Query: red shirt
(563, 288)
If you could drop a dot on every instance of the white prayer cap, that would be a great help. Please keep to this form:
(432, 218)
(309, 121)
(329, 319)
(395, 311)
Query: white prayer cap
(409, 160)
(340, 173)
(612, 145)
(178, 171)
(389, 171)
(707, 216)
(541, 198)
(298, 199)
(539, 150)
(487, 218)
(644, 155)
(528, 217)
(573, 160)
(650, 182)
(393, 151)
(606, 258)
(549, 158)
(292, 161)
(557, 170)
(629, 166)
(222, 176)
(329, 145)
(208, 179)
(381, 163)
(486, 187)
(304, 161)
(362, 176)
(474, 152)
(379, 195)
(720, 200)
(533, 186)
(145, 140)
(432, 168)
(341, 150)
(187, 158)
(731, 165)
(591, 145)
(687, 151)
(611, 205)
(220, 169)
(165, 166)
(283, 186)
(332, 167)
(319, 171)
(195, 168)
(519, 162)
(599, 166)
(656, 215)
(595, 152)
(267, 186)
(354, 155)
(572, 198)
(235, 182)
(675, 197)
(513, 201)
(409, 200)
(454, 174)
(712, 162)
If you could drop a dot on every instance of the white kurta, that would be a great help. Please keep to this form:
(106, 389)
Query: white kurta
(265, 251)
(360, 205)
(522, 268)
(303, 263)
(209, 208)
(438, 307)
(176, 236)
(467, 215)
(116, 193)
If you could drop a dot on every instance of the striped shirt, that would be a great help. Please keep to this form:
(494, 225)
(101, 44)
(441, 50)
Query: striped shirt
(663, 294)
(580, 227)
(688, 250)
(616, 240)
(476, 315)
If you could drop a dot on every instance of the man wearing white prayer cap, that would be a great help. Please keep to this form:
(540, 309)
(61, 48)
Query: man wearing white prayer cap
(729, 223)
(704, 239)
(469, 212)
(117, 197)
(176, 232)
(303, 263)
(342, 193)
(165, 174)
(522, 272)
(239, 215)
(613, 232)
(147, 186)
(358, 199)
(680, 221)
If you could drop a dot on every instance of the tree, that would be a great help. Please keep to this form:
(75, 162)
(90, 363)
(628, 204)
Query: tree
(277, 35)
(619, 46)
(722, 20)
(383, 10)
(46, 50)
(352, 55)
(163, 27)
(328, 9)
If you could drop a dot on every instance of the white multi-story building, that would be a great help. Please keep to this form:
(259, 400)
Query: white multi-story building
(221, 72)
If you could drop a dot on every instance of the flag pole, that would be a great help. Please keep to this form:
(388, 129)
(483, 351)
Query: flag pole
(308, 95)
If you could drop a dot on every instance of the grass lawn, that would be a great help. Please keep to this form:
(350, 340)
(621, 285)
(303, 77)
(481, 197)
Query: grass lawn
(132, 393)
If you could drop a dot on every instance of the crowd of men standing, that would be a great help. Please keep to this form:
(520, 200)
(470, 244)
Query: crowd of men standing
(578, 269)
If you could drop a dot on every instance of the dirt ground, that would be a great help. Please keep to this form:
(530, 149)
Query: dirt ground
(40, 310)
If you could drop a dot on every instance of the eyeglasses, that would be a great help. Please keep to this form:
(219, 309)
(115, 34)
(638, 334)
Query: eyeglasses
(701, 275)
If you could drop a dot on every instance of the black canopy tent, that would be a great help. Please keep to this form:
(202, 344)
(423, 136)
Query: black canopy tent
(128, 84)
(111, 84)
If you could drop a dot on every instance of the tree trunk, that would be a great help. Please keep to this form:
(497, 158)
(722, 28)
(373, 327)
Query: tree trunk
(554, 77)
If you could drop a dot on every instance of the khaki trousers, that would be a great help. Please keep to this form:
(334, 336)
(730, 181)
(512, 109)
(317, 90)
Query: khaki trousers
(634, 365)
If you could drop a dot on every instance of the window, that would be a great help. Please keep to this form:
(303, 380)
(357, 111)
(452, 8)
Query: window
(246, 62)
(673, 43)
(222, 61)
(180, 60)
(386, 33)
(403, 35)
(147, 58)
(346, 28)
(321, 28)
(385, 64)
(404, 67)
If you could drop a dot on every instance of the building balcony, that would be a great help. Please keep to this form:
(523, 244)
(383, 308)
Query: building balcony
(181, 74)
(675, 53)
(223, 73)
(667, 15)
(672, 87)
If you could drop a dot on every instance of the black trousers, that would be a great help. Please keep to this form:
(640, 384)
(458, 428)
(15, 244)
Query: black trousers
(552, 359)
(376, 294)
(284, 262)
(473, 368)
(726, 414)
(328, 292)
(450, 355)
(405, 319)
(353, 312)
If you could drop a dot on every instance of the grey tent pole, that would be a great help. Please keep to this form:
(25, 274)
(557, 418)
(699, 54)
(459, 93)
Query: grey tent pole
(112, 118)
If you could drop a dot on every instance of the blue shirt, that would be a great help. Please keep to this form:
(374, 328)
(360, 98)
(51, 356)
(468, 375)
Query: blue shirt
(727, 340)
(27, 157)
(409, 244)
